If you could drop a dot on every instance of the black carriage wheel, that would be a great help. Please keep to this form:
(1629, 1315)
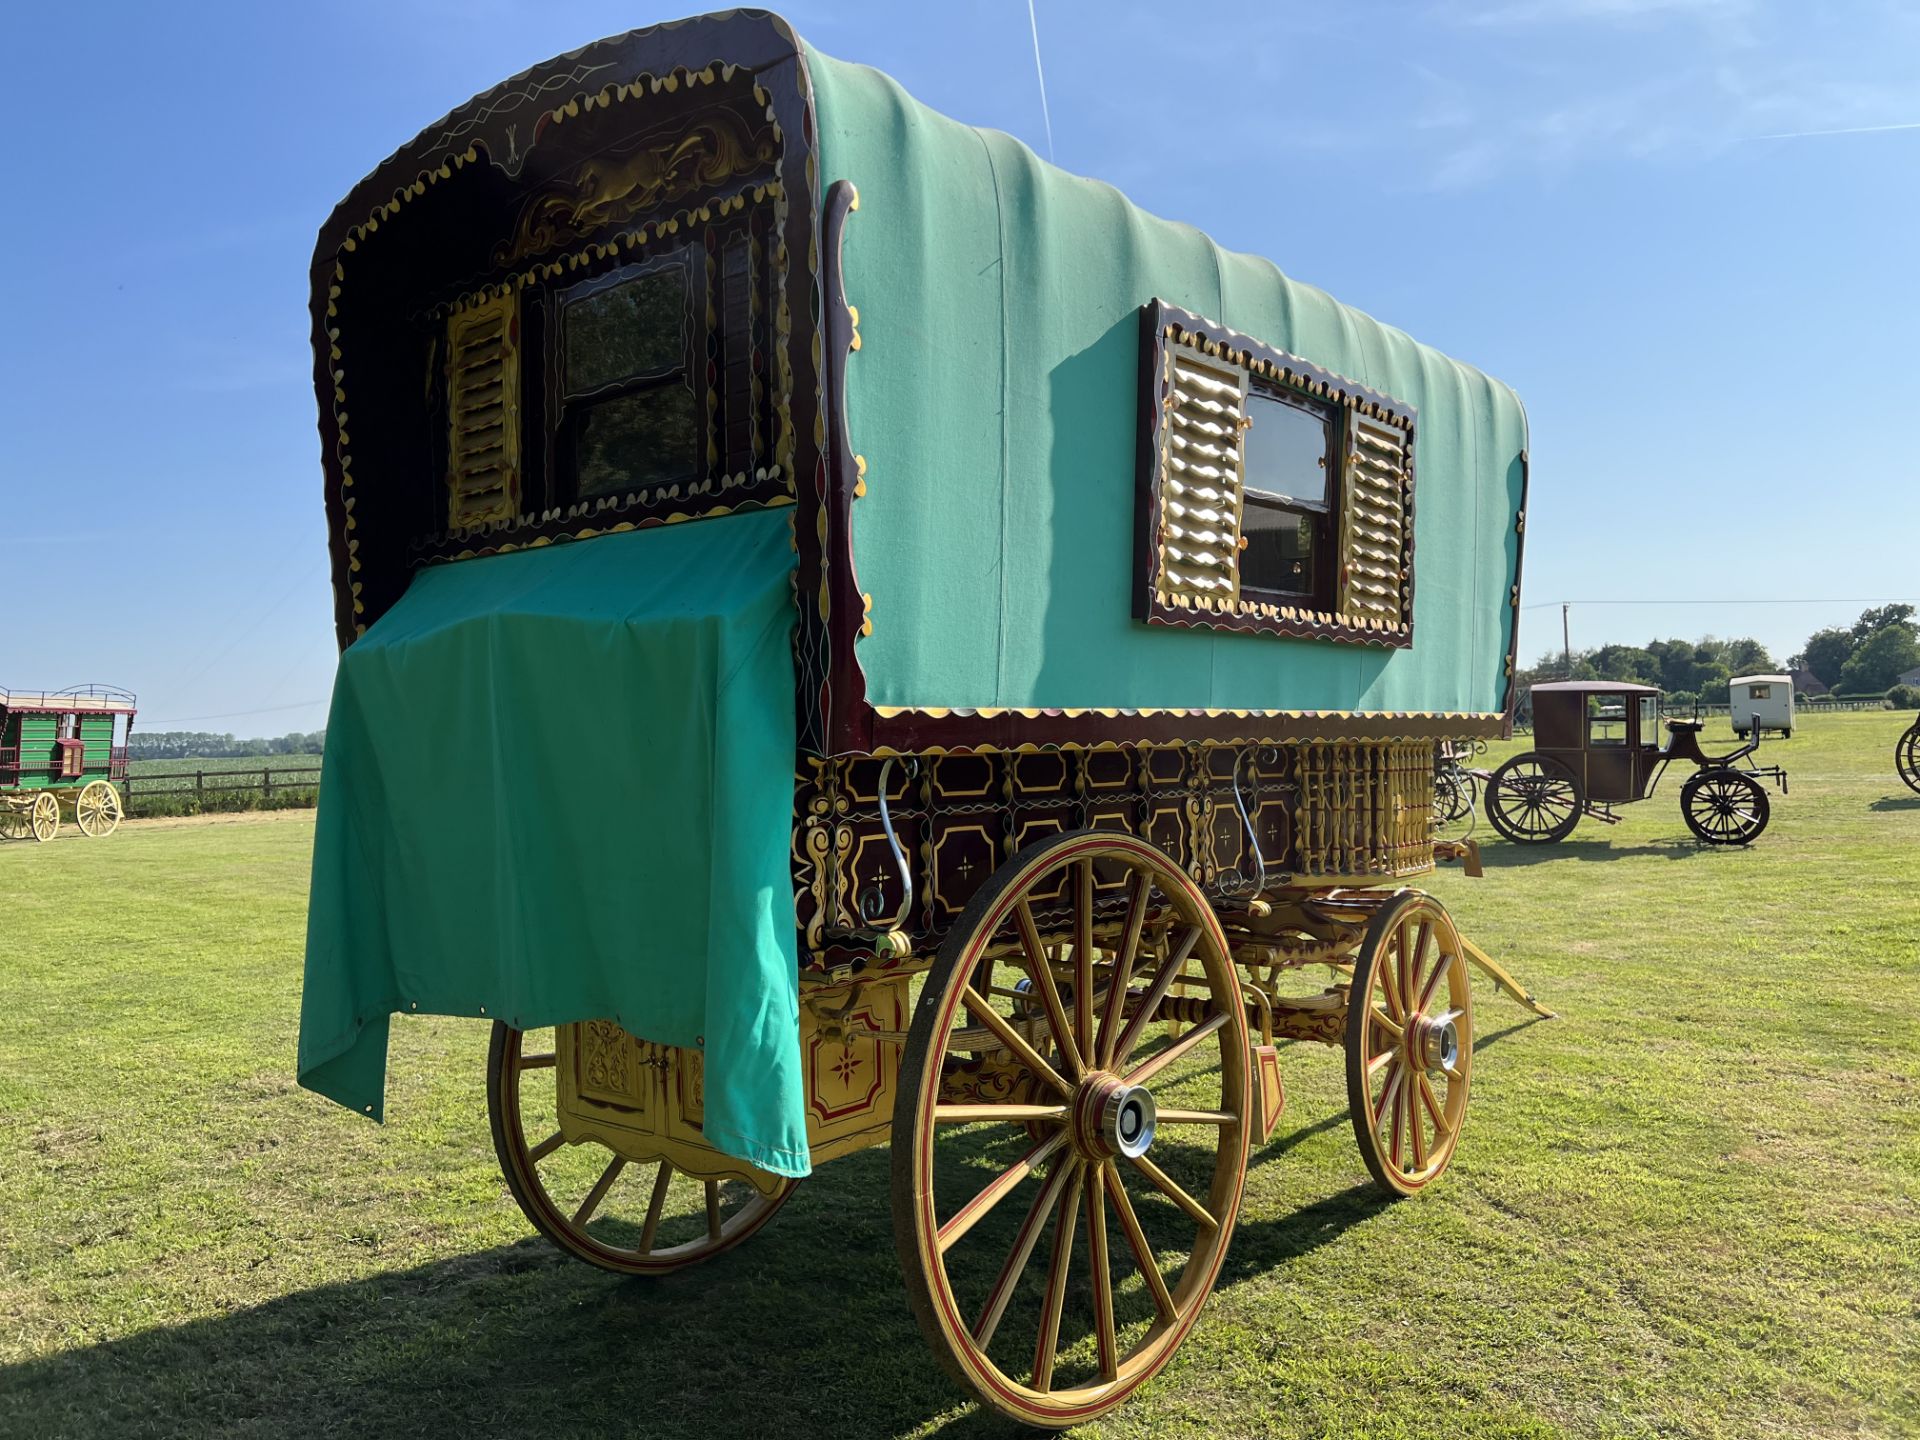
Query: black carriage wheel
(1906, 757)
(1533, 800)
(1452, 795)
(1724, 807)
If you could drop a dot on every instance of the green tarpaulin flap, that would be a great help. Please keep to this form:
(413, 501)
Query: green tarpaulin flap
(558, 786)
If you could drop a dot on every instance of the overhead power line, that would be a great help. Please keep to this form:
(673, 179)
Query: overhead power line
(234, 714)
(1769, 600)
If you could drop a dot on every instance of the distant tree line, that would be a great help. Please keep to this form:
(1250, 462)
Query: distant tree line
(193, 744)
(1866, 659)
(1882, 645)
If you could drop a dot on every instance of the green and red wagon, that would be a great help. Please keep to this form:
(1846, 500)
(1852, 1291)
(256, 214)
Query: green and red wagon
(62, 752)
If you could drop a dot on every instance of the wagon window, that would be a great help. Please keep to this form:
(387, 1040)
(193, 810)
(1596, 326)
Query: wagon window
(1760, 692)
(1285, 522)
(1274, 496)
(1606, 720)
(629, 418)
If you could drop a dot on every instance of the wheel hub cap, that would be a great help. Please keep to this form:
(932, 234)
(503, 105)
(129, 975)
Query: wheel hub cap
(1112, 1118)
(1436, 1043)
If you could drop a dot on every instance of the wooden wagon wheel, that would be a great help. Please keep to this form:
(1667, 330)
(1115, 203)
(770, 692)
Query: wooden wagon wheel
(1724, 807)
(1534, 800)
(45, 818)
(574, 1195)
(1906, 757)
(1153, 1143)
(97, 810)
(1409, 1043)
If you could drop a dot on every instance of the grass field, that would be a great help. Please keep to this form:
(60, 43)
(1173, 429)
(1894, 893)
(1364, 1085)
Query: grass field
(1690, 1207)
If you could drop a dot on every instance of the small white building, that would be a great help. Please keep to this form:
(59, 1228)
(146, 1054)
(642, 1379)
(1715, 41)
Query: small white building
(1765, 701)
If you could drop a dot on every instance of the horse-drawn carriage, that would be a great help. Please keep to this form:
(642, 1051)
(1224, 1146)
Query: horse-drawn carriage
(60, 753)
(838, 651)
(1906, 756)
(1597, 744)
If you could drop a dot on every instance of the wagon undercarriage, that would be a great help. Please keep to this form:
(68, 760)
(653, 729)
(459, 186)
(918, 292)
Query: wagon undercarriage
(1083, 1055)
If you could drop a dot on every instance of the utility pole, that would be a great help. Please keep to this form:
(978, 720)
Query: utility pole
(1566, 639)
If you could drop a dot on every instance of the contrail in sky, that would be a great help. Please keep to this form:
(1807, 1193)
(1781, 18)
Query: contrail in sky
(1034, 24)
(1851, 130)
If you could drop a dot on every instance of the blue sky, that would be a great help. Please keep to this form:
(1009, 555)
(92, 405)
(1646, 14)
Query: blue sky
(1714, 330)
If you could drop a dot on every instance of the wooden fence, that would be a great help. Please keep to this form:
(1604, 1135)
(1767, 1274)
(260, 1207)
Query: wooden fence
(162, 790)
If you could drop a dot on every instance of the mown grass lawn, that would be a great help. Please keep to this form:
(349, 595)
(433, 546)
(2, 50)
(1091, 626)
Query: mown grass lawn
(1689, 1207)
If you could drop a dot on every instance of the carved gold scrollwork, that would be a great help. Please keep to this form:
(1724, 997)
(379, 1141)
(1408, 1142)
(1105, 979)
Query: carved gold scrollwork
(612, 189)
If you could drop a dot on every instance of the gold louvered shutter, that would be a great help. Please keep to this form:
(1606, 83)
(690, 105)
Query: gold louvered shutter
(1374, 525)
(483, 420)
(1202, 458)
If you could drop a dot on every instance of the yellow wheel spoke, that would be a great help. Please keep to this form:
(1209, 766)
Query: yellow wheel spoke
(1048, 1343)
(1197, 1117)
(1391, 1027)
(1163, 980)
(537, 1062)
(1106, 1340)
(1049, 990)
(1083, 955)
(1174, 1051)
(1111, 1022)
(996, 1114)
(713, 1209)
(1434, 1108)
(599, 1191)
(546, 1147)
(1023, 1243)
(1003, 1031)
(970, 1214)
(658, 1200)
(1143, 1257)
(1170, 1188)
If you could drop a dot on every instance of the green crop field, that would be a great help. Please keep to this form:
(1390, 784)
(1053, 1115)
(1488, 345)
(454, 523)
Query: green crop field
(1689, 1207)
(224, 764)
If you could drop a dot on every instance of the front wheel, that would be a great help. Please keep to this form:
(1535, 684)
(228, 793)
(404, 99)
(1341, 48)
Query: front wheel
(1534, 800)
(1724, 807)
(1409, 1045)
(1034, 1069)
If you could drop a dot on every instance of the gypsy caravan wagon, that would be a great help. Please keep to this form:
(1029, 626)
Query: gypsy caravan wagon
(1760, 702)
(853, 636)
(61, 754)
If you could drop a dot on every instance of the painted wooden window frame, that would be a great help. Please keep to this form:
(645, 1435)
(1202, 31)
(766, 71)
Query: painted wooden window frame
(1174, 342)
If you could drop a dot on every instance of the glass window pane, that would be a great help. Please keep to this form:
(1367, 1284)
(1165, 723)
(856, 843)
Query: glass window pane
(636, 440)
(1280, 548)
(1606, 720)
(1288, 448)
(627, 330)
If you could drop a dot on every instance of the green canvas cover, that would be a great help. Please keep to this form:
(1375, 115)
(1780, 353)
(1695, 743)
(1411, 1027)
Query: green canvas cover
(558, 786)
(995, 399)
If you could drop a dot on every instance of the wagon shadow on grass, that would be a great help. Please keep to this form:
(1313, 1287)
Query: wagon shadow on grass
(1896, 802)
(1516, 857)
(805, 1331)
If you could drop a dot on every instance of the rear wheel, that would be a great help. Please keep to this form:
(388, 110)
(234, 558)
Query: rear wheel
(647, 1217)
(1906, 757)
(1533, 800)
(1724, 807)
